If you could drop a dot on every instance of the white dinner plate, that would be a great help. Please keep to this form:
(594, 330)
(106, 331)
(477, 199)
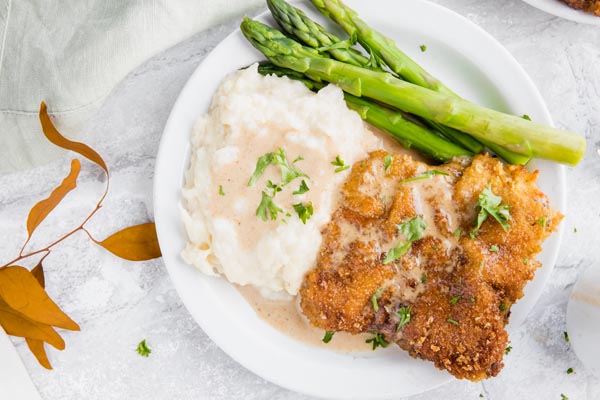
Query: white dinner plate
(560, 9)
(462, 55)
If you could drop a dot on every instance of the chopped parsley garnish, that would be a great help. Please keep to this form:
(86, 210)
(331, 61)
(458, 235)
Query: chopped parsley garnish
(302, 189)
(455, 299)
(143, 349)
(566, 336)
(377, 340)
(423, 278)
(387, 162)
(525, 261)
(575, 230)
(542, 221)
(267, 208)
(423, 48)
(396, 252)
(563, 397)
(570, 371)
(494, 248)
(453, 322)
(425, 175)
(374, 298)
(507, 349)
(304, 211)
(527, 117)
(503, 307)
(221, 192)
(458, 232)
(480, 264)
(481, 395)
(262, 164)
(413, 230)
(328, 336)
(275, 188)
(340, 164)
(403, 317)
(490, 204)
(289, 172)
(472, 299)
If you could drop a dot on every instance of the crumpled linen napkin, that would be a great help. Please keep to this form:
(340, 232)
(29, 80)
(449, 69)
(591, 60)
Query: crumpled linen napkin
(71, 53)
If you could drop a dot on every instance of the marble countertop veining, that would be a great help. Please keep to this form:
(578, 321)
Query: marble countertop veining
(119, 303)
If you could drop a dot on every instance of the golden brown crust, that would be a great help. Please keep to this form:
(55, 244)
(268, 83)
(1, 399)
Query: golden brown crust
(485, 274)
(590, 6)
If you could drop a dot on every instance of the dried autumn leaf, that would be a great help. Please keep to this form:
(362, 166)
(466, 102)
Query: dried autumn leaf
(53, 135)
(136, 243)
(45, 207)
(38, 350)
(17, 324)
(21, 291)
(38, 274)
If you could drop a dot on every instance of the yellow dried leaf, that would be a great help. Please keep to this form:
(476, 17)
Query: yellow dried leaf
(53, 135)
(38, 350)
(136, 243)
(45, 207)
(38, 274)
(16, 324)
(21, 291)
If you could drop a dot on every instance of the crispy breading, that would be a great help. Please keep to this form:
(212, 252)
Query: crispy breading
(459, 286)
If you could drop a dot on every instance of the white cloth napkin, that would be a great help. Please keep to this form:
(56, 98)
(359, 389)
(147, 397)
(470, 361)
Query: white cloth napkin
(71, 53)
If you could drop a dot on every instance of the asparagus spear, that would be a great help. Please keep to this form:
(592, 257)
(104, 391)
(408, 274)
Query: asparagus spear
(396, 59)
(527, 138)
(297, 24)
(402, 129)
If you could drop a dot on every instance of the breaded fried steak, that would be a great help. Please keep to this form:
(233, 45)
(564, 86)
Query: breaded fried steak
(431, 257)
(591, 6)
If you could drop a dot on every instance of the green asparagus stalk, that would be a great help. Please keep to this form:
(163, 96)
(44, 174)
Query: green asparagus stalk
(524, 137)
(397, 60)
(297, 24)
(408, 133)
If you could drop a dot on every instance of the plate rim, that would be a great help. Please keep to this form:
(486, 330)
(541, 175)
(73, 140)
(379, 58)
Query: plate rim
(532, 298)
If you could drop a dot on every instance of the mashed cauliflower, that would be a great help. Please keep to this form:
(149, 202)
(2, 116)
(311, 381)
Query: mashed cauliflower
(250, 116)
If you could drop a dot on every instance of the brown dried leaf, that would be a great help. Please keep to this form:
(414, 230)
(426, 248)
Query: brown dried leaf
(38, 350)
(16, 324)
(53, 135)
(38, 274)
(136, 243)
(45, 207)
(22, 292)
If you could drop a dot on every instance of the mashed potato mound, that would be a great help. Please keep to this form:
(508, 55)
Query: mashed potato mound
(252, 115)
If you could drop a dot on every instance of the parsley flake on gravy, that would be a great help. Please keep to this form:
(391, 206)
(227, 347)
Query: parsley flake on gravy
(289, 171)
(387, 162)
(303, 188)
(340, 164)
(426, 175)
(304, 211)
(377, 340)
(403, 317)
(413, 230)
(267, 209)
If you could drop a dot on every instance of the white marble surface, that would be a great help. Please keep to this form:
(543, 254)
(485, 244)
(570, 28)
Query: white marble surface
(119, 303)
